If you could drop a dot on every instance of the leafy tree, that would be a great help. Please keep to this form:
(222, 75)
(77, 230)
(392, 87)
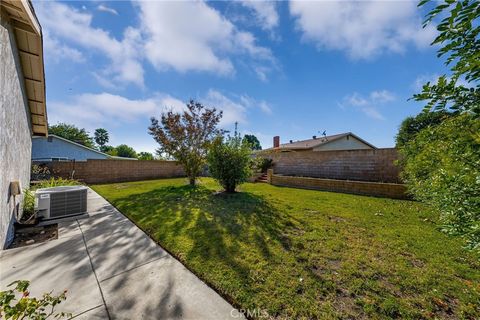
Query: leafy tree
(101, 137)
(108, 150)
(460, 44)
(187, 136)
(72, 133)
(145, 156)
(252, 141)
(442, 168)
(229, 162)
(125, 151)
(411, 126)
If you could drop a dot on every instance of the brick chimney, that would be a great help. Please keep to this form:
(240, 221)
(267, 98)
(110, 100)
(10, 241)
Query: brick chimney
(276, 141)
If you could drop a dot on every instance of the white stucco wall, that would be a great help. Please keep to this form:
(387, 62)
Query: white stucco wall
(345, 143)
(15, 130)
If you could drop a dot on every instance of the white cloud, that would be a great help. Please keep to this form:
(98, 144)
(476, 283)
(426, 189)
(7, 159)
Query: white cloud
(235, 108)
(368, 105)
(250, 102)
(184, 36)
(58, 51)
(363, 29)
(233, 111)
(104, 8)
(92, 110)
(265, 13)
(192, 36)
(381, 96)
(67, 23)
(108, 110)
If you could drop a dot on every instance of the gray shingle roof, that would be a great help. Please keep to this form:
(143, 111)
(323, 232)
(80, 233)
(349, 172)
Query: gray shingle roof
(312, 143)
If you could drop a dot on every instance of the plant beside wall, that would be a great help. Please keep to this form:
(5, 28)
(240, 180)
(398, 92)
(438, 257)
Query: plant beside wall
(442, 168)
(16, 303)
(55, 182)
(263, 164)
(440, 147)
(28, 214)
(229, 161)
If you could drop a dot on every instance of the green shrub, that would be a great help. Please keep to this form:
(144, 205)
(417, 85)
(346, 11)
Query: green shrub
(229, 162)
(411, 126)
(16, 303)
(56, 182)
(442, 168)
(263, 164)
(28, 205)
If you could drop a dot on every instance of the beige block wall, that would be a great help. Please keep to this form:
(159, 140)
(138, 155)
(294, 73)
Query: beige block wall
(387, 190)
(105, 171)
(376, 165)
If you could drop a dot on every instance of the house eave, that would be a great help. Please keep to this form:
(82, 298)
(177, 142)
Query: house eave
(29, 43)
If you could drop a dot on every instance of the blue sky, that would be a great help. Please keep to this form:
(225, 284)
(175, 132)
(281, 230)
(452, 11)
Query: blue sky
(292, 69)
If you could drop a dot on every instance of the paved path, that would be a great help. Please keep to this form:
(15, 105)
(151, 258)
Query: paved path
(112, 270)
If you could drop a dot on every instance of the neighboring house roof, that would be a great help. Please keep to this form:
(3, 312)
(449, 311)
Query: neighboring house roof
(313, 143)
(28, 38)
(85, 147)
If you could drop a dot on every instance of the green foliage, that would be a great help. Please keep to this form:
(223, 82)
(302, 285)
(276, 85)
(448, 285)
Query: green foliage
(306, 254)
(252, 141)
(263, 164)
(108, 150)
(413, 125)
(56, 182)
(442, 168)
(16, 303)
(39, 172)
(101, 137)
(459, 42)
(187, 136)
(125, 151)
(72, 133)
(145, 156)
(28, 205)
(229, 162)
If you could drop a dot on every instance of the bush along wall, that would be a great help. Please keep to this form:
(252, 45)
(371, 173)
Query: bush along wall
(442, 168)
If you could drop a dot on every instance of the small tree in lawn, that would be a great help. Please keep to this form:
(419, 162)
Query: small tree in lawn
(187, 136)
(229, 161)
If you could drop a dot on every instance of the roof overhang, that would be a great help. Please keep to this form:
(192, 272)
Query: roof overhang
(28, 38)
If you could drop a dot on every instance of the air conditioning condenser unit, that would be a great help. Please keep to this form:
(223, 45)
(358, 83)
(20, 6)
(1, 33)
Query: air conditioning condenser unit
(60, 202)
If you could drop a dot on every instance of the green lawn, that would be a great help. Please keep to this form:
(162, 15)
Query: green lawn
(308, 254)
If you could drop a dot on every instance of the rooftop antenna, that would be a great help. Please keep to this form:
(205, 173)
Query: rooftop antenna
(324, 134)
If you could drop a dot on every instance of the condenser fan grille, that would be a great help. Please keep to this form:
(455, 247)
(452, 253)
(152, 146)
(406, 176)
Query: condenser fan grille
(68, 203)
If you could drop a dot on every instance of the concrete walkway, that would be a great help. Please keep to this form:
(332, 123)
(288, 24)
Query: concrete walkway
(112, 270)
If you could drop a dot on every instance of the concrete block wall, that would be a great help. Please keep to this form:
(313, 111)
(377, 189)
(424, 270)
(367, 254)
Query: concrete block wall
(105, 171)
(387, 190)
(377, 165)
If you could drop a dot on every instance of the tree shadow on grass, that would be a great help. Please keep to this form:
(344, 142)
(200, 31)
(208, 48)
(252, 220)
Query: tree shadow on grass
(206, 229)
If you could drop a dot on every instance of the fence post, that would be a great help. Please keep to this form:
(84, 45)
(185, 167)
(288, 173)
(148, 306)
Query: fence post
(269, 175)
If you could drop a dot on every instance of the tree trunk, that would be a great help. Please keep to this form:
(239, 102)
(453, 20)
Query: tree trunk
(192, 181)
(230, 188)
